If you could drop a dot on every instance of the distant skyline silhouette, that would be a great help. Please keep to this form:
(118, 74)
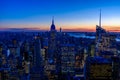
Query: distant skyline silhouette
(70, 15)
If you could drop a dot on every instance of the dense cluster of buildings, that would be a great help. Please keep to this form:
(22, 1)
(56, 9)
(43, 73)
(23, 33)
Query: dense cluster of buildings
(55, 55)
(105, 63)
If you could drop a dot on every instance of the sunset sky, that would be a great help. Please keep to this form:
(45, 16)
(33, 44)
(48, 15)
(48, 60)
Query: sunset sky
(76, 15)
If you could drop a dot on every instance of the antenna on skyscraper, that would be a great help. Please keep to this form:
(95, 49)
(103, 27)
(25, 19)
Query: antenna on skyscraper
(100, 19)
(53, 20)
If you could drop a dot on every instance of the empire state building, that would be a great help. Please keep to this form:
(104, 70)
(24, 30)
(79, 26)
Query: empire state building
(52, 43)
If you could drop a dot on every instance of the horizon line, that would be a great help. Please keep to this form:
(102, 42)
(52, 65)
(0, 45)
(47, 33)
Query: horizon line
(63, 30)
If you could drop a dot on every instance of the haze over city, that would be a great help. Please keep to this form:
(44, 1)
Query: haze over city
(71, 15)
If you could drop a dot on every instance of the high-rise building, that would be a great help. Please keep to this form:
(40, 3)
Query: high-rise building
(104, 42)
(51, 56)
(98, 68)
(116, 67)
(37, 69)
(68, 59)
(79, 62)
(52, 43)
(101, 66)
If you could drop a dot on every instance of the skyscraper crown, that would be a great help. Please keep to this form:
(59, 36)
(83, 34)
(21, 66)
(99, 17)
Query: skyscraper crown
(52, 26)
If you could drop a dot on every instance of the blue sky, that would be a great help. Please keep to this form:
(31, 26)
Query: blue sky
(68, 14)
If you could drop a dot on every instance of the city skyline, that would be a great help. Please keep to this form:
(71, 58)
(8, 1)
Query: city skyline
(72, 15)
(59, 40)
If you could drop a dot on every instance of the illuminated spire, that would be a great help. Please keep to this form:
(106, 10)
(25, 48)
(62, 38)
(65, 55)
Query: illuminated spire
(100, 19)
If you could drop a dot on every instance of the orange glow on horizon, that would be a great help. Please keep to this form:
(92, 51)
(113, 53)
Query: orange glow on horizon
(69, 28)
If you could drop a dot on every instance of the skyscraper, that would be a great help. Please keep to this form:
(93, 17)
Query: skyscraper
(104, 41)
(50, 63)
(37, 70)
(52, 43)
(37, 53)
(67, 58)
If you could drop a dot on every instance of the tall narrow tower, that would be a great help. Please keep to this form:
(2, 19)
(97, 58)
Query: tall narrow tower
(37, 53)
(37, 69)
(100, 19)
(52, 42)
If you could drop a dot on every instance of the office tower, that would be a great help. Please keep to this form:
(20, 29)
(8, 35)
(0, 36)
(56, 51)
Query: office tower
(51, 56)
(98, 68)
(37, 53)
(99, 30)
(79, 62)
(52, 43)
(105, 42)
(116, 67)
(101, 67)
(37, 69)
(67, 59)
